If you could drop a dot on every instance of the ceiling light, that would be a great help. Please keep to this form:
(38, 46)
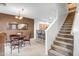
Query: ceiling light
(20, 15)
(16, 17)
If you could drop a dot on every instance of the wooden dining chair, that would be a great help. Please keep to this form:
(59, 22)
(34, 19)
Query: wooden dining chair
(27, 39)
(14, 41)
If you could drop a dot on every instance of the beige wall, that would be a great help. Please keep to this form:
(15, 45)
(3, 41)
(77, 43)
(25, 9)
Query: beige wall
(5, 19)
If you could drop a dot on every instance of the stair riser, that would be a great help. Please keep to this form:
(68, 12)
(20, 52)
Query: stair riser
(67, 24)
(65, 40)
(65, 29)
(51, 54)
(65, 36)
(69, 20)
(63, 45)
(54, 53)
(65, 32)
(62, 51)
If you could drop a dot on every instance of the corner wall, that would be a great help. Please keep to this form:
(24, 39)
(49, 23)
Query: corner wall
(54, 28)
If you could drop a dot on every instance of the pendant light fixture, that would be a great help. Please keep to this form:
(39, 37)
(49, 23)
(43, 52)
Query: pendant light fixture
(20, 15)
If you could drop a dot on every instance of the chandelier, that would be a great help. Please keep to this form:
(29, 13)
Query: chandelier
(20, 15)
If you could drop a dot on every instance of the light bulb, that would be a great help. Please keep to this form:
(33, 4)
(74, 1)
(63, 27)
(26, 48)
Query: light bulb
(20, 17)
(16, 17)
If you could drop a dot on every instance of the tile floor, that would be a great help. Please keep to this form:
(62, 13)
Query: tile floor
(37, 48)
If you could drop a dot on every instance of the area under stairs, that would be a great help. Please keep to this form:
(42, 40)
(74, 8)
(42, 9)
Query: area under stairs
(63, 44)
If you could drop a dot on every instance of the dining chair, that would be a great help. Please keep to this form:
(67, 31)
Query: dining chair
(27, 39)
(14, 41)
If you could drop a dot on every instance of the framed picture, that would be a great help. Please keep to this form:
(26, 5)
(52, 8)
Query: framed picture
(22, 26)
(18, 26)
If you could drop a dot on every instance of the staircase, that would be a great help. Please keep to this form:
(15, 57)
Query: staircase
(63, 44)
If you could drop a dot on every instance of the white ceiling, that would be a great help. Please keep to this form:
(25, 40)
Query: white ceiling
(31, 10)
